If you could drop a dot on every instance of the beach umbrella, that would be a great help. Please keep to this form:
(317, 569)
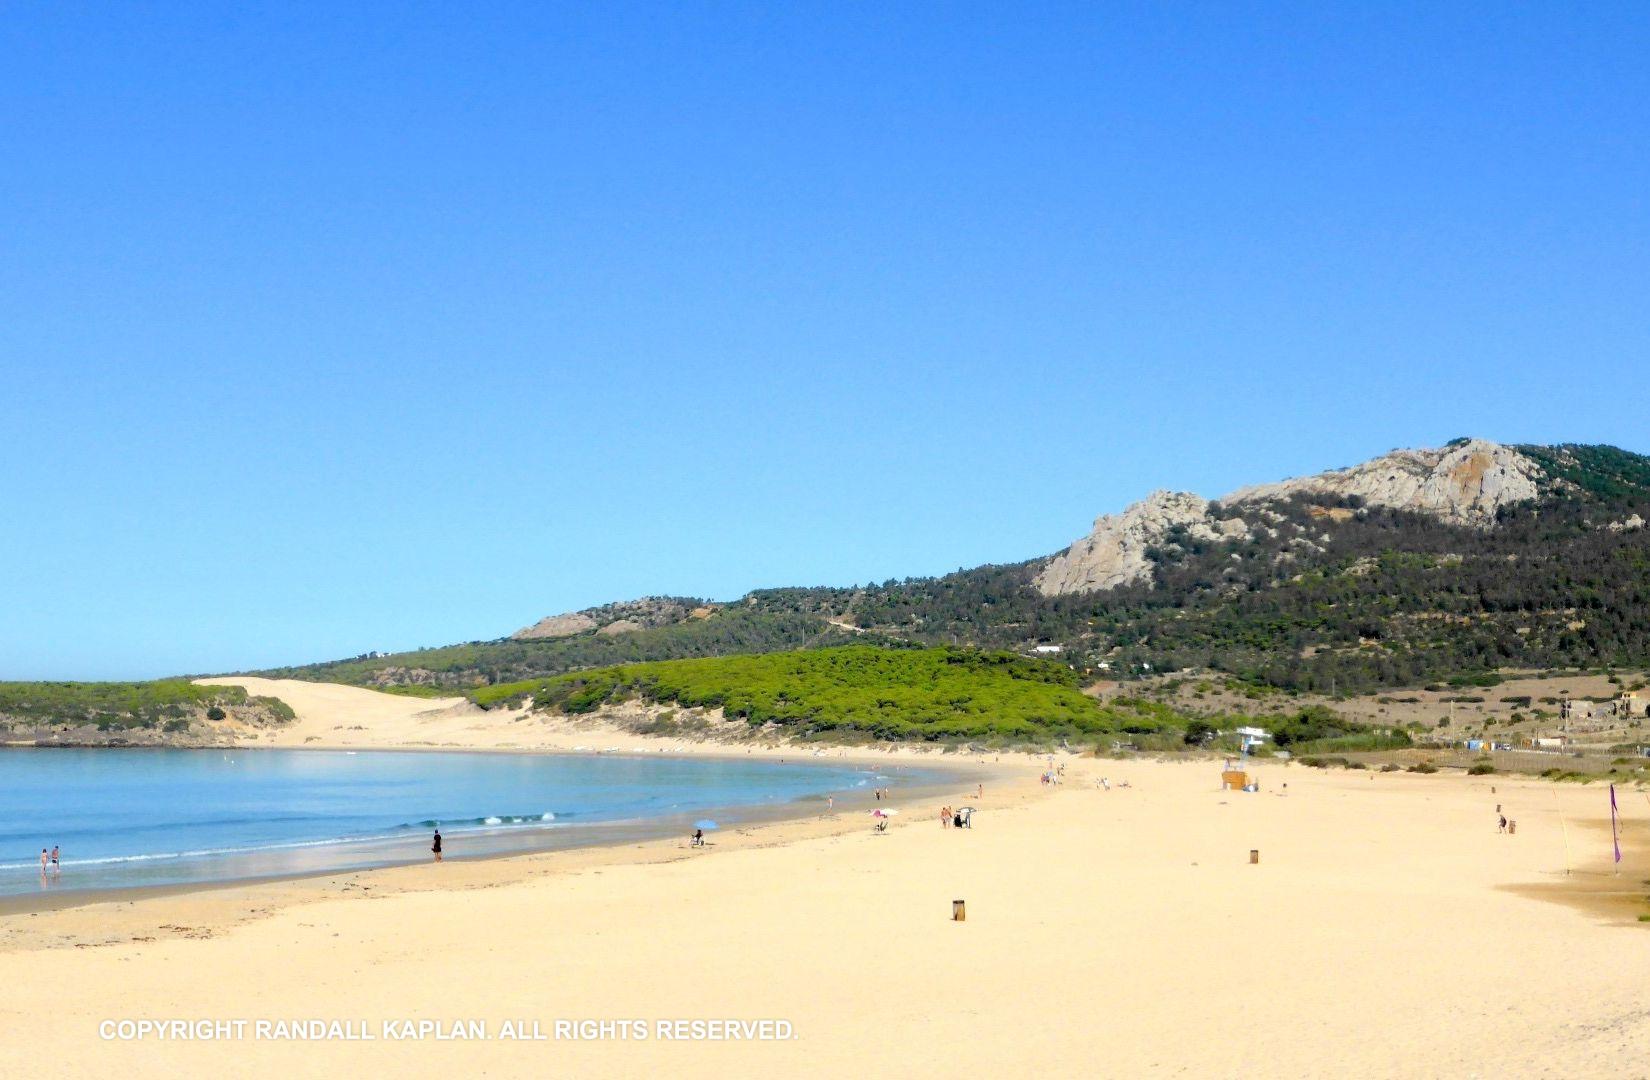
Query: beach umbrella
(704, 823)
(879, 813)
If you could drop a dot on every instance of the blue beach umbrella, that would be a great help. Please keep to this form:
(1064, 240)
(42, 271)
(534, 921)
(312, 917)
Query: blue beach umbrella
(704, 823)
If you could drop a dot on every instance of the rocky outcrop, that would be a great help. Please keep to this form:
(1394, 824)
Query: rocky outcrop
(554, 626)
(1464, 483)
(1115, 553)
(623, 617)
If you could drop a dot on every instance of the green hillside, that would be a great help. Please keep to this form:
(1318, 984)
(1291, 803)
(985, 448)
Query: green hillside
(128, 704)
(1382, 598)
(749, 628)
(931, 694)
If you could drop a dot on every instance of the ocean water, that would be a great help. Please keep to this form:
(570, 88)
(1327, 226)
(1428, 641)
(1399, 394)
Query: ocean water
(159, 817)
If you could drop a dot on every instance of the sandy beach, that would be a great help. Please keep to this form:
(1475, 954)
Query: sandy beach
(1388, 929)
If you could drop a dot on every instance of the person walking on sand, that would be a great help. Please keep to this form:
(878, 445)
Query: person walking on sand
(435, 845)
(1503, 823)
(945, 817)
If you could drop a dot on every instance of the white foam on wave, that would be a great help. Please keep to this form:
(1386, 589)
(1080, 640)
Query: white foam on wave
(200, 852)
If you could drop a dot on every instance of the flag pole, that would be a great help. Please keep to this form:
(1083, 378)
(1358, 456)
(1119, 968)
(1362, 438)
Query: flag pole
(1615, 830)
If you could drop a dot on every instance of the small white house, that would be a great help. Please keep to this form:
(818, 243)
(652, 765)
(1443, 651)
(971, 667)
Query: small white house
(1047, 650)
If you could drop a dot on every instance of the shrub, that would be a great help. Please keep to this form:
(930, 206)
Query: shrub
(1423, 767)
(1199, 732)
(1481, 768)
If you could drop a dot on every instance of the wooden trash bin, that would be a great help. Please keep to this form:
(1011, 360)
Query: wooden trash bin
(959, 911)
(1254, 856)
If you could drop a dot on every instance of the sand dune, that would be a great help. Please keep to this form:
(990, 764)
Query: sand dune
(1386, 931)
(330, 715)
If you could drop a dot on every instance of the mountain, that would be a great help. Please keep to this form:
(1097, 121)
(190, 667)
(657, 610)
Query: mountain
(1417, 566)
(1467, 482)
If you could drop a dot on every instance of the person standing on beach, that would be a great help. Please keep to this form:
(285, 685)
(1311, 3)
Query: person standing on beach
(43, 860)
(435, 846)
(54, 858)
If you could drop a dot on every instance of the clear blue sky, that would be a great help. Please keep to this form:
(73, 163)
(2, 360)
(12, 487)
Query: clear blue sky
(332, 327)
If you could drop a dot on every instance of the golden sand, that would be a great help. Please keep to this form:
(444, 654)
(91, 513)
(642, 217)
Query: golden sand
(1386, 930)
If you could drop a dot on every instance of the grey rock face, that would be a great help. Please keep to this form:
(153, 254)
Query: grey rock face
(1115, 552)
(1465, 484)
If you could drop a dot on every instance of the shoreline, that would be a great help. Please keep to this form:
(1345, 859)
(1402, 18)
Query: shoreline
(609, 836)
(1137, 904)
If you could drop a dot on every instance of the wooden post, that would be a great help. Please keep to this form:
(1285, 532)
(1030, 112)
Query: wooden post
(959, 911)
(1254, 856)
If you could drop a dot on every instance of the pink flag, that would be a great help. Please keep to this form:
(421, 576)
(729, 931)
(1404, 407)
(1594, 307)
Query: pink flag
(1615, 831)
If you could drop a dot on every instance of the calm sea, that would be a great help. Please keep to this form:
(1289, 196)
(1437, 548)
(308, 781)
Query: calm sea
(157, 817)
